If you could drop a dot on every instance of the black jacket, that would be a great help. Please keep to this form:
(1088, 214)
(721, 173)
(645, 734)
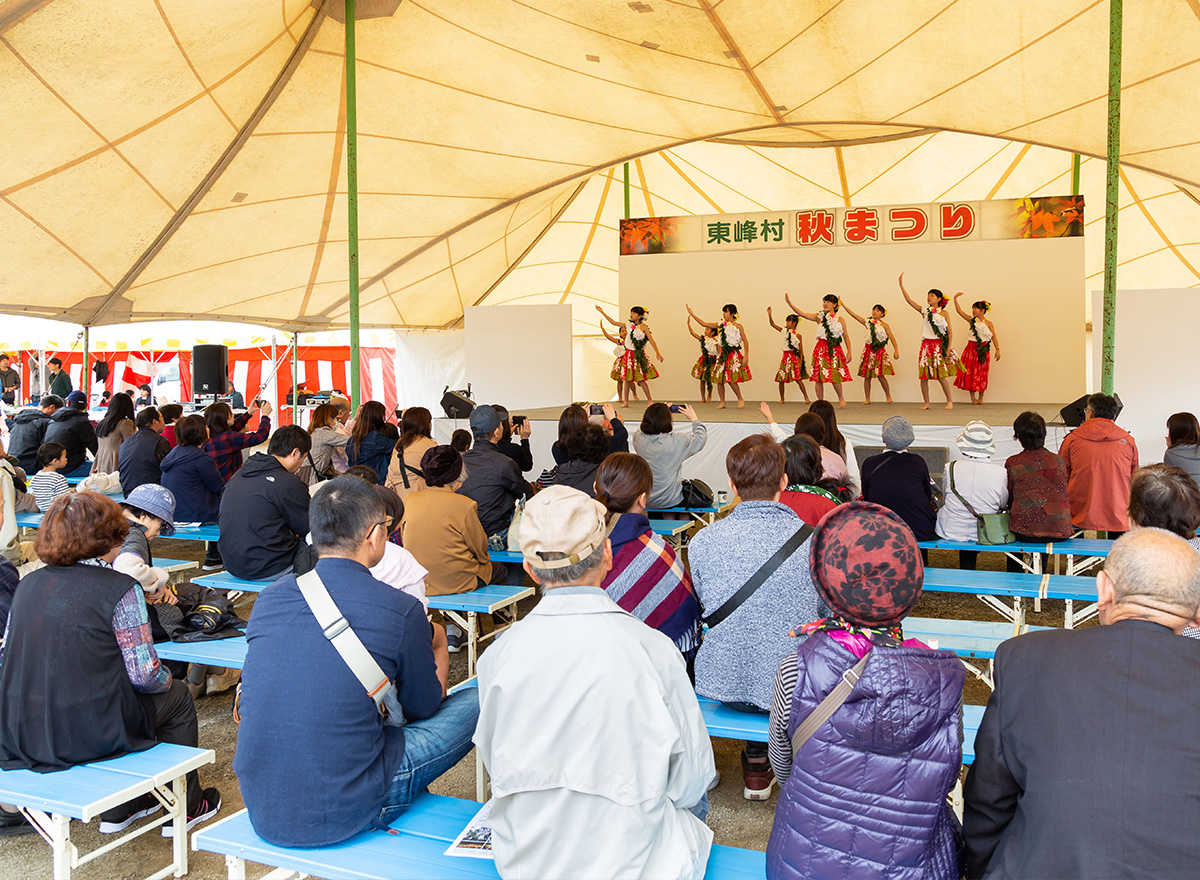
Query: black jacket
(71, 428)
(1086, 762)
(518, 452)
(263, 519)
(899, 481)
(27, 433)
(494, 483)
(577, 474)
(140, 457)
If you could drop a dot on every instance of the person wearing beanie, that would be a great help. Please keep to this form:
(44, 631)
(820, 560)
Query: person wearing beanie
(588, 725)
(975, 480)
(899, 480)
(494, 482)
(441, 529)
(886, 759)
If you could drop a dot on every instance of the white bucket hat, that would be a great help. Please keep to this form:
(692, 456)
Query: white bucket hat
(976, 441)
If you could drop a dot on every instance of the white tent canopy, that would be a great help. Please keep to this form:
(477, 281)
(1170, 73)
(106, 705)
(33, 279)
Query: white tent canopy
(173, 160)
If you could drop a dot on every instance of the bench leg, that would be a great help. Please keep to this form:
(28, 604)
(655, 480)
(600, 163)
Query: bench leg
(1069, 615)
(472, 643)
(179, 843)
(235, 867)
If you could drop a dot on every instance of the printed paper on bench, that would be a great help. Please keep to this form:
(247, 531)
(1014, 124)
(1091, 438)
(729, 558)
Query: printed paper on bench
(475, 841)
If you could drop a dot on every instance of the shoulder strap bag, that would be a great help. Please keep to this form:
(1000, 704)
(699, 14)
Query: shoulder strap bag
(346, 642)
(768, 568)
(991, 528)
(832, 702)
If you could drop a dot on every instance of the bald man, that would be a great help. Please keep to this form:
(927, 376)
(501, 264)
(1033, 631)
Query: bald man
(1087, 762)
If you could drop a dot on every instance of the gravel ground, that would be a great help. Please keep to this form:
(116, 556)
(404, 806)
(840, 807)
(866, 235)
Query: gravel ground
(734, 820)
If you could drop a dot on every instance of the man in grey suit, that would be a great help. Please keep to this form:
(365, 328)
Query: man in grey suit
(1087, 762)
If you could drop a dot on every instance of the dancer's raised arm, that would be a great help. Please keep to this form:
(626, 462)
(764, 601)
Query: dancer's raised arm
(850, 312)
(808, 316)
(615, 340)
(695, 335)
(702, 323)
(908, 299)
(607, 318)
(958, 308)
(771, 318)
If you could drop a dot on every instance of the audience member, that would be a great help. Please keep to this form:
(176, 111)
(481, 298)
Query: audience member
(834, 439)
(460, 440)
(391, 501)
(1037, 487)
(9, 577)
(144, 397)
(236, 399)
(227, 436)
(896, 732)
(171, 413)
(1100, 459)
(264, 511)
(115, 428)
(416, 438)
(618, 790)
(1165, 497)
(493, 480)
(28, 431)
(48, 484)
(345, 769)
(647, 577)
(10, 381)
(804, 494)
(10, 534)
(105, 397)
(745, 642)
(60, 381)
(1183, 443)
(70, 427)
(327, 435)
(666, 451)
(1083, 759)
(518, 452)
(87, 686)
(586, 448)
(974, 480)
(191, 475)
(398, 568)
(141, 456)
(899, 480)
(368, 444)
(577, 416)
(832, 464)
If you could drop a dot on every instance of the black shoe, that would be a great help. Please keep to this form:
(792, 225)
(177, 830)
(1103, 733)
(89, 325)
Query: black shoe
(12, 824)
(120, 818)
(210, 802)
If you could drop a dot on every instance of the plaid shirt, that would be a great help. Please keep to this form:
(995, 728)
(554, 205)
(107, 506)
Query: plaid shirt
(226, 448)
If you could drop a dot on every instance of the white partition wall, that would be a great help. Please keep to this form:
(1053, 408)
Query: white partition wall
(520, 356)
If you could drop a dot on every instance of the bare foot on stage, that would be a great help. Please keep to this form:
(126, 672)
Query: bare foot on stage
(842, 404)
(925, 407)
(889, 400)
(741, 404)
(625, 406)
(720, 406)
(781, 400)
(949, 406)
(866, 403)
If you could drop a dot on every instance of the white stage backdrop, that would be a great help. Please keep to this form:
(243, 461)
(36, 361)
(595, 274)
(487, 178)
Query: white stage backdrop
(1035, 286)
(1153, 368)
(520, 355)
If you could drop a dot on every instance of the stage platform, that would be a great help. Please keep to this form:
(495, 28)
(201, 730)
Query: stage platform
(935, 428)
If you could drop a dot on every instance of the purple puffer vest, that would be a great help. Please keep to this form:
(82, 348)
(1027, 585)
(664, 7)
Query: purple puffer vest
(867, 793)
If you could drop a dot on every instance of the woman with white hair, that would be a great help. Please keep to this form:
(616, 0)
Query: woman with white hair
(973, 480)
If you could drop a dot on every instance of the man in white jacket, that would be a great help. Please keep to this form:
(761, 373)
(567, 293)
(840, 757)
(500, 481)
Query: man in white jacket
(589, 727)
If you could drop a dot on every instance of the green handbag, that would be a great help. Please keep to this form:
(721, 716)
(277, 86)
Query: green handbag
(991, 528)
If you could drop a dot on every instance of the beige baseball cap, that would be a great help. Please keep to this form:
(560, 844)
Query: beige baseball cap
(563, 524)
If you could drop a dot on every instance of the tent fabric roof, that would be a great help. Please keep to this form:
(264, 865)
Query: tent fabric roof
(168, 159)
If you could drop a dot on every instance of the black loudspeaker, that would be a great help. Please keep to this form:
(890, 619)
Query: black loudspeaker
(457, 404)
(210, 369)
(1074, 413)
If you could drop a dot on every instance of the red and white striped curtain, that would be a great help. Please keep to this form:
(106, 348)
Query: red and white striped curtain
(138, 362)
(320, 368)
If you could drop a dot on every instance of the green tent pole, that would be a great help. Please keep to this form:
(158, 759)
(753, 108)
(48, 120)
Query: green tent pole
(352, 200)
(1112, 196)
(626, 190)
(1075, 175)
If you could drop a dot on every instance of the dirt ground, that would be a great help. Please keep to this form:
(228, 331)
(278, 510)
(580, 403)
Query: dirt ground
(734, 820)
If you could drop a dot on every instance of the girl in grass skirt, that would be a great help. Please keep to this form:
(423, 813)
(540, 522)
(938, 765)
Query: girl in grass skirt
(792, 366)
(635, 366)
(733, 364)
(619, 353)
(936, 359)
(977, 356)
(831, 354)
(875, 363)
(706, 365)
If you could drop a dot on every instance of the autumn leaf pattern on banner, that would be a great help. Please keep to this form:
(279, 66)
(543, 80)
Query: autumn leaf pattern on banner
(1050, 217)
(650, 235)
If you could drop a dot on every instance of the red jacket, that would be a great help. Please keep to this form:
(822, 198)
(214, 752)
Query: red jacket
(1100, 459)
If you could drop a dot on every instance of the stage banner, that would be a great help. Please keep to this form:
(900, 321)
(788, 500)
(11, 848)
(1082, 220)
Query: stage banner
(999, 219)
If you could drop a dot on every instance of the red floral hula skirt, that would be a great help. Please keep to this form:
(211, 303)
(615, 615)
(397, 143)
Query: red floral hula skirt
(875, 363)
(628, 369)
(734, 370)
(932, 364)
(706, 370)
(792, 368)
(827, 367)
(974, 373)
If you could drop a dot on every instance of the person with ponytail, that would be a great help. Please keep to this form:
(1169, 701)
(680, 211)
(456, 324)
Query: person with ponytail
(647, 578)
(977, 356)
(831, 354)
(634, 367)
(875, 363)
(733, 363)
(936, 359)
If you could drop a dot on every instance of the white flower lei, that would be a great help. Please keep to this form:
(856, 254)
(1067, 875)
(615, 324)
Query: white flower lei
(730, 336)
(831, 328)
(711, 348)
(877, 336)
(635, 335)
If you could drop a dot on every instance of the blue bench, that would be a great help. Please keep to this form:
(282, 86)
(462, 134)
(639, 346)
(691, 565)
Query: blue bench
(989, 585)
(51, 800)
(969, 639)
(219, 652)
(201, 532)
(413, 849)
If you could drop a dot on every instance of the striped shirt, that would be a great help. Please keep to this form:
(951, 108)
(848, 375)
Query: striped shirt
(46, 486)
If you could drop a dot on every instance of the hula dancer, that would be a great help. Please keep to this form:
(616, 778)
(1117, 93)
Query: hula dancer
(635, 366)
(706, 366)
(875, 363)
(937, 359)
(733, 363)
(792, 366)
(619, 352)
(831, 354)
(976, 357)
